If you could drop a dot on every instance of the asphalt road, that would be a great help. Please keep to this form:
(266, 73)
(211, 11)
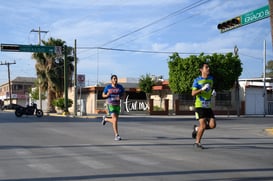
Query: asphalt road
(153, 148)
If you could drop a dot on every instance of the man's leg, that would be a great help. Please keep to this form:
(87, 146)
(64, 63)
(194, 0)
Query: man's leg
(201, 129)
(114, 121)
(211, 124)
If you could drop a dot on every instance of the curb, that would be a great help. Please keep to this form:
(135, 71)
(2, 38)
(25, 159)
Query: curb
(269, 131)
(72, 116)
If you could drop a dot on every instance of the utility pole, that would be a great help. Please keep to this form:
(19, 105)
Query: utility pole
(39, 31)
(10, 91)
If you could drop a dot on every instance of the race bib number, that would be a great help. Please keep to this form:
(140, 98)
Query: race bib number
(206, 104)
(115, 98)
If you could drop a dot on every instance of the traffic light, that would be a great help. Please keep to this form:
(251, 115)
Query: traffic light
(10, 47)
(230, 24)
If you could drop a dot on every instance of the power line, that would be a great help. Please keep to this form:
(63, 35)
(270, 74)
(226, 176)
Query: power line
(180, 11)
(140, 51)
(175, 13)
(168, 25)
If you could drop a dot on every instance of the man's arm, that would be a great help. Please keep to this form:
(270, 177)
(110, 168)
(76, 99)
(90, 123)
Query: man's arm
(105, 95)
(198, 91)
(195, 92)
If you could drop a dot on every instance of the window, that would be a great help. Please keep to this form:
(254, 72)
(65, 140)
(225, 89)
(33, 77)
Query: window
(17, 87)
(223, 98)
(186, 99)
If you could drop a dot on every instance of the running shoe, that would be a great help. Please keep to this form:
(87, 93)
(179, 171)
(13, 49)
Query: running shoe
(198, 146)
(194, 132)
(103, 122)
(117, 138)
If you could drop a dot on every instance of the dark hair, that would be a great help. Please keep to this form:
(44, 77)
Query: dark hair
(201, 65)
(112, 76)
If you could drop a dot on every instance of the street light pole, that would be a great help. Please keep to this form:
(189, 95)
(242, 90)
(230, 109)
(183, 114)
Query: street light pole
(264, 78)
(75, 79)
(237, 87)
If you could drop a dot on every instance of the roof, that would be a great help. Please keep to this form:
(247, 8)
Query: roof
(22, 80)
(257, 79)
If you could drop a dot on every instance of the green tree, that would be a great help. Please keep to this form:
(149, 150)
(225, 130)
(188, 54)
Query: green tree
(182, 71)
(269, 69)
(34, 93)
(50, 71)
(146, 84)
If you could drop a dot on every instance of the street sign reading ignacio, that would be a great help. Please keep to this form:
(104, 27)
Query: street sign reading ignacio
(30, 48)
(255, 15)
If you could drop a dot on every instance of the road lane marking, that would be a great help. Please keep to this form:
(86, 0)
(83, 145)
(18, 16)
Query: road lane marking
(35, 163)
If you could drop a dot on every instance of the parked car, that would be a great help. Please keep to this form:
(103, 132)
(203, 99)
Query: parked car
(10, 106)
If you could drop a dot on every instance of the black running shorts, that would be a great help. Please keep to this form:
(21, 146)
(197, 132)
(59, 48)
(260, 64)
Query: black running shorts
(204, 113)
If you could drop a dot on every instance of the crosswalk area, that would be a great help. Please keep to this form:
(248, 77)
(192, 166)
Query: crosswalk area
(79, 159)
(150, 150)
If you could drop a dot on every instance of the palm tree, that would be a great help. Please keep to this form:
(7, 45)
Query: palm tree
(50, 71)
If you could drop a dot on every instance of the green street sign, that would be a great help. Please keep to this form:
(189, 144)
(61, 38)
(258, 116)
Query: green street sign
(31, 48)
(244, 19)
(37, 49)
(255, 15)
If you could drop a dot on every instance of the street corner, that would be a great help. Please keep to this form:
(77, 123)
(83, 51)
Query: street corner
(269, 131)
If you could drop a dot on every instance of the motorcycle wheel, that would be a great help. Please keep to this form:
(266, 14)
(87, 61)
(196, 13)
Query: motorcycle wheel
(18, 112)
(39, 113)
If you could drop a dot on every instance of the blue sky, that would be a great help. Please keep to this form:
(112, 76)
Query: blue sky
(149, 25)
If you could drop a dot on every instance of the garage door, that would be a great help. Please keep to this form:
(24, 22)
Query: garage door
(254, 101)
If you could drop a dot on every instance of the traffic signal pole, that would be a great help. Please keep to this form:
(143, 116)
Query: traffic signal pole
(270, 3)
(65, 82)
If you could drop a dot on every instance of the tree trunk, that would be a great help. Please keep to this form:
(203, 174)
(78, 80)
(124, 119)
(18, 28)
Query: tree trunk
(50, 98)
(148, 96)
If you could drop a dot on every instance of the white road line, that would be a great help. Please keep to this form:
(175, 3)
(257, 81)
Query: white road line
(138, 160)
(35, 163)
(126, 157)
(84, 160)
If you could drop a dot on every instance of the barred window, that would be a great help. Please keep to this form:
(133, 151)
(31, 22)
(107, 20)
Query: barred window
(186, 99)
(223, 98)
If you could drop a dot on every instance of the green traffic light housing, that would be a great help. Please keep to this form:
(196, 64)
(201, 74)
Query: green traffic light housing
(230, 24)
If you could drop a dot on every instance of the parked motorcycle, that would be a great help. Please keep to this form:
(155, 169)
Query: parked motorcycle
(29, 110)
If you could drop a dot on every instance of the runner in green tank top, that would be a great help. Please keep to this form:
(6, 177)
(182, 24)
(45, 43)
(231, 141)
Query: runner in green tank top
(202, 90)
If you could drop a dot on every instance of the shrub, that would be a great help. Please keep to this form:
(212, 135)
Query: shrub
(59, 103)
